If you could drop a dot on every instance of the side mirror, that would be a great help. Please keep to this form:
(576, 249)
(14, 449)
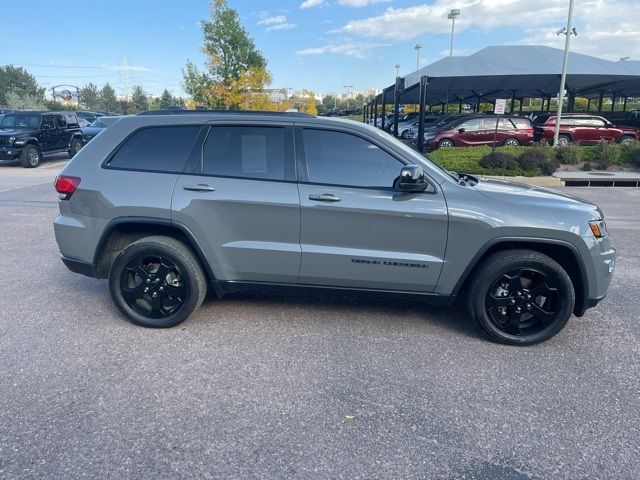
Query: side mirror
(412, 179)
(461, 130)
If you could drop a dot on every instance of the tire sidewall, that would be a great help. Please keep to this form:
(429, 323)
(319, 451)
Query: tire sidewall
(511, 142)
(563, 141)
(76, 146)
(491, 275)
(446, 143)
(25, 160)
(150, 249)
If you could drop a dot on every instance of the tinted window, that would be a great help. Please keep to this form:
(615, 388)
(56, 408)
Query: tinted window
(521, 123)
(62, 123)
(48, 123)
(471, 125)
(160, 149)
(248, 152)
(337, 158)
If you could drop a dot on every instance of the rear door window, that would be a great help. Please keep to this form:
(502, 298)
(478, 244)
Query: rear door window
(156, 149)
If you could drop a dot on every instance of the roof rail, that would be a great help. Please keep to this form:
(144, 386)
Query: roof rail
(225, 112)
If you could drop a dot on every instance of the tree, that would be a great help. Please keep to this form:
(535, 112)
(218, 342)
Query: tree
(89, 96)
(139, 100)
(24, 102)
(21, 82)
(107, 99)
(231, 58)
(166, 100)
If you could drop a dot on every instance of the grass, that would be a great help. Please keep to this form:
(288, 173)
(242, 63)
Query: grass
(467, 159)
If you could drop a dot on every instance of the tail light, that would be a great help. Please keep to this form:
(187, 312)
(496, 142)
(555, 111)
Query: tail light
(66, 185)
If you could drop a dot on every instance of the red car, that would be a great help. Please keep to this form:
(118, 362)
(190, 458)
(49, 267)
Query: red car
(480, 130)
(582, 129)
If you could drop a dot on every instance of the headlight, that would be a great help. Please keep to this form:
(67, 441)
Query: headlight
(11, 140)
(598, 228)
(428, 136)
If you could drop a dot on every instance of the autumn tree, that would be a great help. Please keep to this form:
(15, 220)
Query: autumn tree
(236, 70)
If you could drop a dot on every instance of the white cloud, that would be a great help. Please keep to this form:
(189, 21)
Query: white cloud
(608, 28)
(348, 49)
(278, 22)
(311, 3)
(360, 3)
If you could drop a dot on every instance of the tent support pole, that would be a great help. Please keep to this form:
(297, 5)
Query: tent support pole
(600, 101)
(548, 104)
(614, 97)
(424, 80)
(513, 102)
(364, 113)
(384, 108)
(542, 107)
(396, 106)
(588, 104)
(478, 104)
(520, 107)
(460, 107)
(624, 105)
(375, 112)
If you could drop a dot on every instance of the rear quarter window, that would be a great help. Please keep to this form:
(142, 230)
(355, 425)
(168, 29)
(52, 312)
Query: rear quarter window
(521, 123)
(156, 149)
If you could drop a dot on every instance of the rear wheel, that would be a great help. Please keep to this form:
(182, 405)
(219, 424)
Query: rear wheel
(30, 156)
(521, 297)
(75, 147)
(511, 142)
(564, 140)
(157, 282)
(446, 143)
(627, 139)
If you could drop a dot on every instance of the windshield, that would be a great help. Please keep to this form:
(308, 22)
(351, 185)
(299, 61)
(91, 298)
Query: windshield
(98, 124)
(20, 122)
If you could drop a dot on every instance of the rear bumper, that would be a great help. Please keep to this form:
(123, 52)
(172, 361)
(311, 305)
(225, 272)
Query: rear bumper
(78, 266)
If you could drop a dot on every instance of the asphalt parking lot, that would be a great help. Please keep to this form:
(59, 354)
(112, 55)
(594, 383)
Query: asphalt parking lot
(286, 386)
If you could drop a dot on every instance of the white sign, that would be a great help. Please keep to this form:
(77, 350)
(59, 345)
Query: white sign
(501, 105)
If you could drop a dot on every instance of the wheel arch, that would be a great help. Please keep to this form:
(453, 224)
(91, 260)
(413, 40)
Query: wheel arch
(122, 231)
(563, 252)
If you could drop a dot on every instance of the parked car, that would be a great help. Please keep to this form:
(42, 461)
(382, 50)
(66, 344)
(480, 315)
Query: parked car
(90, 117)
(224, 202)
(429, 122)
(583, 129)
(29, 135)
(97, 126)
(480, 130)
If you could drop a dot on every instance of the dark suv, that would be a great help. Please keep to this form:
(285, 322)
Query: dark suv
(30, 135)
(480, 130)
(583, 129)
(169, 206)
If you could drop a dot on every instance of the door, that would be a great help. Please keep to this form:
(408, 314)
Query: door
(357, 230)
(469, 133)
(241, 203)
(48, 136)
(63, 134)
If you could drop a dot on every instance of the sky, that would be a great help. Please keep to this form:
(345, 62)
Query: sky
(319, 45)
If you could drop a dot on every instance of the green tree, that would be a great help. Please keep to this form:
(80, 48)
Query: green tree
(89, 96)
(19, 81)
(231, 53)
(107, 99)
(166, 100)
(139, 100)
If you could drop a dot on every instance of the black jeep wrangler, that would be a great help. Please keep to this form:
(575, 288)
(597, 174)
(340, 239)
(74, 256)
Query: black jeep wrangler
(30, 135)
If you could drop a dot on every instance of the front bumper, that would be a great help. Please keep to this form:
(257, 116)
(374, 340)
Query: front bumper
(10, 152)
(603, 259)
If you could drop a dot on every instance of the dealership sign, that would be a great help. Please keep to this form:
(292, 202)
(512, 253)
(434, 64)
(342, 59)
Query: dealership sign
(501, 106)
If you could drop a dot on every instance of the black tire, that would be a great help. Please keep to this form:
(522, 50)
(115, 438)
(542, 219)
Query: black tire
(537, 310)
(75, 147)
(564, 140)
(511, 142)
(627, 139)
(178, 289)
(446, 143)
(30, 156)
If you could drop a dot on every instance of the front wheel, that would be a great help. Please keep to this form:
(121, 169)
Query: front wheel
(75, 147)
(30, 156)
(512, 142)
(446, 143)
(521, 297)
(157, 282)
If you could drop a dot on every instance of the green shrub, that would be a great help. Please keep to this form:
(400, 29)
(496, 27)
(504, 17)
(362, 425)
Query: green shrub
(535, 157)
(631, 153)
(499, 160)
(549, 167)
(587, 167)
(569, 154)
(607, 154)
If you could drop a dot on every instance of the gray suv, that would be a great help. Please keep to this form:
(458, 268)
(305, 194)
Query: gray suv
(170, 206)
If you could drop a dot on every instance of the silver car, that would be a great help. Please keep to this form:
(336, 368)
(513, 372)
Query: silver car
(168, 207)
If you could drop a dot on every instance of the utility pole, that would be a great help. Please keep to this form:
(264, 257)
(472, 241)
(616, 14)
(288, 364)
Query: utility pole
(565, 64)
(417, 49)
(397, 70)
(348, 87)
(125, 69)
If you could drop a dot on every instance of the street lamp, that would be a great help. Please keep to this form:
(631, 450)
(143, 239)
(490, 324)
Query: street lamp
(453, 14)
(348, 87)
(565, 63)
(397, 70)
(417, 49)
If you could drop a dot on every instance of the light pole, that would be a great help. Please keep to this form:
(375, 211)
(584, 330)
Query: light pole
(565, 63)
(397, 70)
(453, 14)
(348, 87)
(417, 49)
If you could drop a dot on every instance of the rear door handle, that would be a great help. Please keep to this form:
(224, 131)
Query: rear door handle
(324, 197)
(201, 187)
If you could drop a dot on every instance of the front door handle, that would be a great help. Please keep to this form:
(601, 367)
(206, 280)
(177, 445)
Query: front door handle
(201, 187)
(324, 197)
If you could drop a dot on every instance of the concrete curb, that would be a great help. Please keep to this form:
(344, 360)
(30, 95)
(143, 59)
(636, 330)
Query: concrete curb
(540, 181)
